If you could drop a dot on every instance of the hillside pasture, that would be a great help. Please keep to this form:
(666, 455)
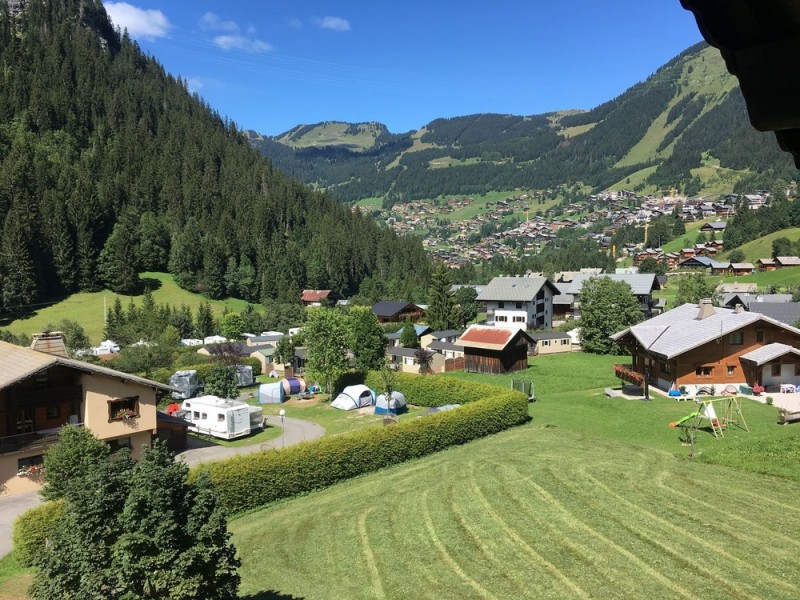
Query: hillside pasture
(87, 308)
(536, 512)
(762, 247)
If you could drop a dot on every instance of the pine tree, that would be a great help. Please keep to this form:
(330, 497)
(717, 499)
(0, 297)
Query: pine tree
(440, 313)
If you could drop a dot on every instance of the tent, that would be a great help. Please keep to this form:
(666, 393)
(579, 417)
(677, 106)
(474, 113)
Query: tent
(271, 393)
(444, 407)
(353, 397)
(394, 406)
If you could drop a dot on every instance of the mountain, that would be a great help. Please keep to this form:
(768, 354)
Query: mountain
(685, 127)
(110, 167)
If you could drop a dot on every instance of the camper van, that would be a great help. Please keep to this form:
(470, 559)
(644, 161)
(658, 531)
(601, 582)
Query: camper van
(187, 382)
(220, 417)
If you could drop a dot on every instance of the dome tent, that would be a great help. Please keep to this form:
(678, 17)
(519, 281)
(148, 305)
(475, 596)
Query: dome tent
(353, 397)
(396, 405)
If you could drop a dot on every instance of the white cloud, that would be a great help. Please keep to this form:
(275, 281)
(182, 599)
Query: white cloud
(212, 22)
(240, 42)
(139, 22)
(337, 24)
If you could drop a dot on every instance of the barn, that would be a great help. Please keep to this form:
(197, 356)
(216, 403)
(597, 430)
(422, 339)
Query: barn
(494, 350)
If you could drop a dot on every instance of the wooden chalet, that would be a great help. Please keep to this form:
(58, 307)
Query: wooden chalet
(494, 350)
(397, 312)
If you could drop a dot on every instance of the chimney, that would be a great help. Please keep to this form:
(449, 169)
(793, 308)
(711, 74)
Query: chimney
(739, 309)
(706, 309)
(50, 342)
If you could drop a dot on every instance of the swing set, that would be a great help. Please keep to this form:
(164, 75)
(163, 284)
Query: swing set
(706, 413)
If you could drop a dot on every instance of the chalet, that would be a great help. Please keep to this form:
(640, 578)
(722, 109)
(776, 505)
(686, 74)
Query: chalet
(519, 302)
(406, 360)
(748, 301)
(745, 268)
(494, 350)
(787, 261)
(785, 312)
(642, 286)
(420, 329)
(317, 297)
(700, 346)
(430, 336)
(41, 391)
(397, 311)
(767, 264)
(737, 288)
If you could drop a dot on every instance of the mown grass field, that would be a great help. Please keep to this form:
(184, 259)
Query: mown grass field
(762, 247)
(87, 308)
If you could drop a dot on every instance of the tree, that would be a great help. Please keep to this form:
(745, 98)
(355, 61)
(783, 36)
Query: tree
(693, 288)
(69, 461)
(232, 326)
(118, 264)
(367, 341)
(133, 530)
(651, 265)
(326, 337)
(424, 359)
(75, 338)
(781, 246)
(285, 349)
(408, 335)
(440, 300)
(736, 256)
(467, 306)
(607, 307)
(205, 320)
(221, 381)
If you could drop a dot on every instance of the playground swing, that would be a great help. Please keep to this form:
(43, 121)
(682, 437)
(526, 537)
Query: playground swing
(731, 415)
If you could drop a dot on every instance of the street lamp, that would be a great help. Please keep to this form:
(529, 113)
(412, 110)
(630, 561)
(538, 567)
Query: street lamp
(282, 414)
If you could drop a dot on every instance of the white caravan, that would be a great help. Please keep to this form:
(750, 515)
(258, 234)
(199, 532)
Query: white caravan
(221, 417)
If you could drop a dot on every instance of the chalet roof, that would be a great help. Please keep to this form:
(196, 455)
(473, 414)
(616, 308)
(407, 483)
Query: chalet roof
(768, 353)
(445, 333)
(742, 266)
(641, 283)
(390, 308)
(490, 338)
(788, 261)
(437, 345)
(515, 289)
(549, 335)
(785, 312)
(314, 295)
(18, 363)
(679, 330)
(766, 261)
(401, 351)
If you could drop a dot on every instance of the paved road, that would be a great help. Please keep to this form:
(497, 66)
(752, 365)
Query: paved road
(294, 432)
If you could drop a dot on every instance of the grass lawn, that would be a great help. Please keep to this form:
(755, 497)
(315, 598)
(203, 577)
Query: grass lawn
(762, 247)
(265, 435)
(87, 308)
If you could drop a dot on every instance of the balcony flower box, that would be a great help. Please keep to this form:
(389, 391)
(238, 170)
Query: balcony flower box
(626, 373)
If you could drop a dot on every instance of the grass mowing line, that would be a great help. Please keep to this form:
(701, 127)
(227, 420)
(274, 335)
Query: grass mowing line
(448, 560)
(652, 517)
(549, 567)
(726, 516)
(587, 554)
(372, 564)
(569, 518)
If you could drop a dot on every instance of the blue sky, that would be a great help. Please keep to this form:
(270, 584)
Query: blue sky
(272, 64)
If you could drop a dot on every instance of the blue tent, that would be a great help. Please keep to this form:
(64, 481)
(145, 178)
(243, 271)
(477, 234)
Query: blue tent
(396, 405)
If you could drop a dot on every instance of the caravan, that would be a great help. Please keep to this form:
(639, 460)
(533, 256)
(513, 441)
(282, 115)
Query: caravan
(187, 382)
(221, 417)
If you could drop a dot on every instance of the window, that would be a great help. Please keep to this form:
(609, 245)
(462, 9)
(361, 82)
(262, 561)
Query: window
(519, 319)
(195, 416)
(53, 412)
(545, 342)
(519, 305)
(121, 409)
(759, 335)
(204, 416)
(665, 368)
(501, 305)
(704, 371)
(776, 370)
(120, 443)
(797, 370)
(220, 417)
(731, 370)
(564, 342)
(736, 338)
(501, 318)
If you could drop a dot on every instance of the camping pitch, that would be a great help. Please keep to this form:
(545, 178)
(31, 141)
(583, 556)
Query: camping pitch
(353, 397)
(396, 405)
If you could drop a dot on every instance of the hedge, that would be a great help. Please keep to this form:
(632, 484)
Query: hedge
(431, 390)
(32, 528)
(246, 482)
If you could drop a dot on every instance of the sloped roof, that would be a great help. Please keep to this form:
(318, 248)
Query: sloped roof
(641, 283)
(788, 261)
(444, 334)
(18, 363)
(314, 295)
(770, 352)
(389, 308)
(785, 312)
(549, 335)
(437, 345)
(514, 289)
(679, 330)
(490, 338)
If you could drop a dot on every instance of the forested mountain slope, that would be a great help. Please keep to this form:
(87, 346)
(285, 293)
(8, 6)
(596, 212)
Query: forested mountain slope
(109, 166)
(688, 114)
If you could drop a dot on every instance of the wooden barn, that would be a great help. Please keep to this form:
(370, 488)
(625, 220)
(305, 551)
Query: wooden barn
(494, 350)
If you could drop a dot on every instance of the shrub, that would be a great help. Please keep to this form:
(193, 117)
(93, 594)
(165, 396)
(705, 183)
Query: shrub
(431, 391)
(32, 528)
(247, 482)
(253, 362)
(769, 400)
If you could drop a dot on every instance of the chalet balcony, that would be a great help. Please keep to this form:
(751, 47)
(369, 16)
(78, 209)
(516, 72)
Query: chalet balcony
(22, 442)
(629, 374)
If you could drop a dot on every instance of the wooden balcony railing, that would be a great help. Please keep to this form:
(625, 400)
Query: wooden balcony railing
(29, 441)
(629, 374)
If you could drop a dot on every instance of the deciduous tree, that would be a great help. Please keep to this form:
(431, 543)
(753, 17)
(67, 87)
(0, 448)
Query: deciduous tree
(607, 306)
(326, 338)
